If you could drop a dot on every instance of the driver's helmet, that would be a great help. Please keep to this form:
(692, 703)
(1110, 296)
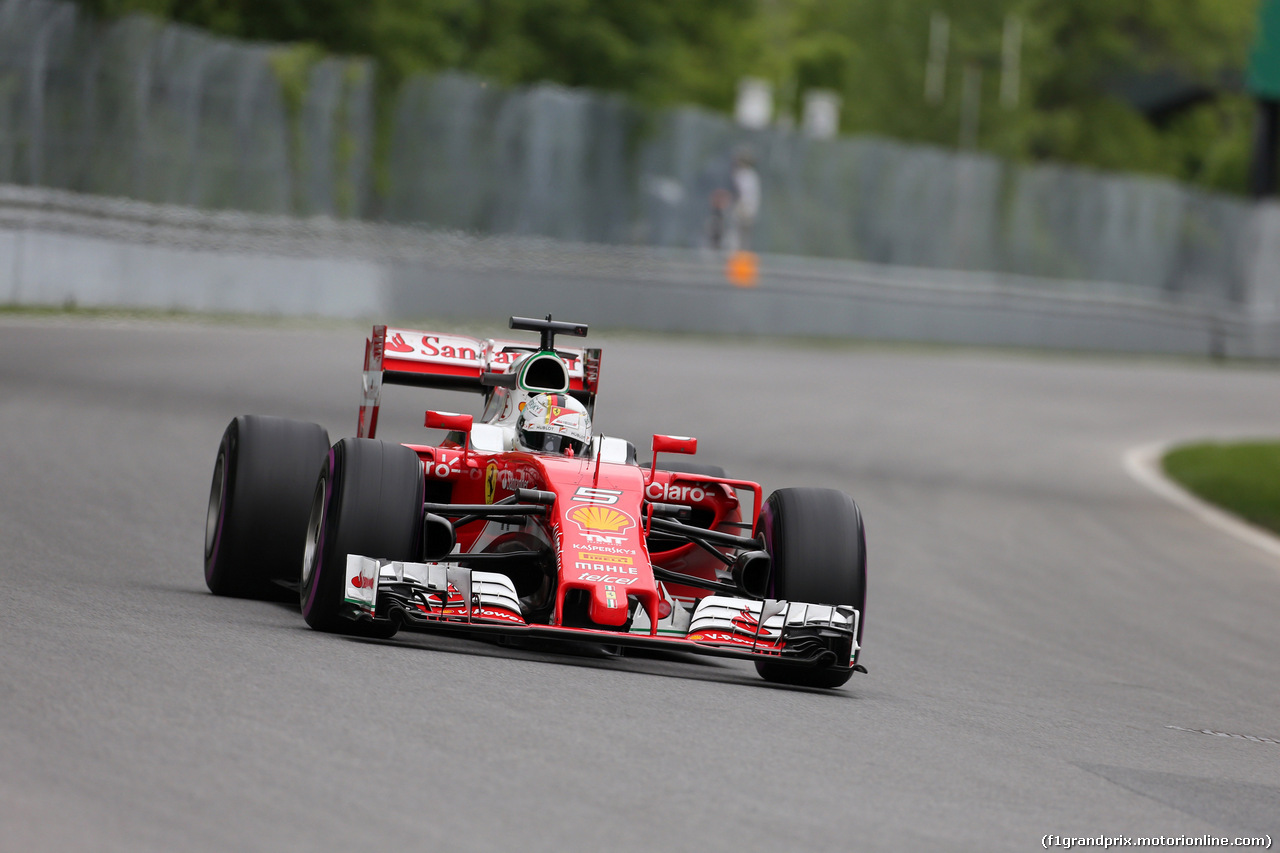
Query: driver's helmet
(554, 423)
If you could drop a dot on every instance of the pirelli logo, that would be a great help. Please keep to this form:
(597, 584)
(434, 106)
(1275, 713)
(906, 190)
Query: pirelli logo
(615, 559)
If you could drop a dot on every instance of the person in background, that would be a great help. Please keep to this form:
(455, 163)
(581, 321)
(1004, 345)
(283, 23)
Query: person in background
(717, 219)
(746, 203)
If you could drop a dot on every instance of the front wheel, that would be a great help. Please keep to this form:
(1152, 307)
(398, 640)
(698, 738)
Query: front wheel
(819, 552)
(368, 501)
(258, 504)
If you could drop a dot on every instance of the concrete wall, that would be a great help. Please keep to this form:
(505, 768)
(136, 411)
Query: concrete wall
(58, 248)
(44, 268)
(851, 306)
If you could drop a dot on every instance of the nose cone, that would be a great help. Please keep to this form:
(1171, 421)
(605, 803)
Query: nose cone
(608, 605)
(602, 549)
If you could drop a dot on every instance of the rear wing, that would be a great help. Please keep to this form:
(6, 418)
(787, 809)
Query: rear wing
(456, 363)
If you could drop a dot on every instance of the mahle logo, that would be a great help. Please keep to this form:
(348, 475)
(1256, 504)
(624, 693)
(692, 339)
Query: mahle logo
(600, 519)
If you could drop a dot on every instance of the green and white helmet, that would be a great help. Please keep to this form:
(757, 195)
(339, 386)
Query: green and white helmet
(554, 423)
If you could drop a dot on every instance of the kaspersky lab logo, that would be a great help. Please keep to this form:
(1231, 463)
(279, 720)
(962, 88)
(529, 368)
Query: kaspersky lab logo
(600, 520)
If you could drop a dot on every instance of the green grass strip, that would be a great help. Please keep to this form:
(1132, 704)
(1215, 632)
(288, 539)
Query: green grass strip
(1242, 478)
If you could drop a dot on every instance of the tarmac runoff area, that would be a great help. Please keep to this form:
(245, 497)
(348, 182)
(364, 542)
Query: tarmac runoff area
(1053, 648)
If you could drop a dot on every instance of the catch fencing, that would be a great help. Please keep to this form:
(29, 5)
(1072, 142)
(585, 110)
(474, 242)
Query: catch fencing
(60, 248)
(581, 166)
(168, 113)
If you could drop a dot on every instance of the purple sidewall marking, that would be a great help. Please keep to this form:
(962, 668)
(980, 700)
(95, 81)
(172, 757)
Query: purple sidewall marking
(222, 514)
(766, 523)
(319, 554)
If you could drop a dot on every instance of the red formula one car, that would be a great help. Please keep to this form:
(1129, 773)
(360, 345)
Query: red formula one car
(526, 524)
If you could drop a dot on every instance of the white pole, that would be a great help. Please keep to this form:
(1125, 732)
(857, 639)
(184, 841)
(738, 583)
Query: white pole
(935, 71)
(1011, 64)
(970, 105)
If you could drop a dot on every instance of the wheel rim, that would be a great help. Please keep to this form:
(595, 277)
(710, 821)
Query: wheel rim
(216, 498)
(315, 524)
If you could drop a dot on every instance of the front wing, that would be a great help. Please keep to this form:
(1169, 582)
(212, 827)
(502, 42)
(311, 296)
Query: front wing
(449, 597)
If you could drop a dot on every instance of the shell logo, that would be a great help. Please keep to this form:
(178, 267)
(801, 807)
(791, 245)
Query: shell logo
(600, 519)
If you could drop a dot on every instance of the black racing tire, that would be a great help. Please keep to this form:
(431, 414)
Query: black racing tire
(683, 467)
(367, 501)
(818, 547)
(258, 503)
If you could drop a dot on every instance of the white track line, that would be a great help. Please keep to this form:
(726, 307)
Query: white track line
(1143, 464)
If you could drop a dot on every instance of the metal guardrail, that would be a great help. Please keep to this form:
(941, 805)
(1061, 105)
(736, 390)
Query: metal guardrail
(401, 270)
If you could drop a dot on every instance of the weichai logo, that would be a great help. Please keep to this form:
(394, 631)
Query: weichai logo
(600, 519)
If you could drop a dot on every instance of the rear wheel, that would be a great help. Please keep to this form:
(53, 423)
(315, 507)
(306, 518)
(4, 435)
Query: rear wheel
(819, 551)
(258, 502)
(368, 501)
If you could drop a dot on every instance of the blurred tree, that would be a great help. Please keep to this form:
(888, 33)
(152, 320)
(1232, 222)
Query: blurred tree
(657, 51)
(334, 23)
(1095, 50)
(1080, 61)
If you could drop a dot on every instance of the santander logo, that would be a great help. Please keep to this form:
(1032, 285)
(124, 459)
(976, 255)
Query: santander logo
(362, 581)
(396, 343)
(747, 622)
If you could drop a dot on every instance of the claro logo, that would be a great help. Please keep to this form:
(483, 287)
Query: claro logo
(672, 492)
(600, 519)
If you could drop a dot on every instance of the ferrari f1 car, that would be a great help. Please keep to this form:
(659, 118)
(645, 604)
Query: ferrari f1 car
(524, 523)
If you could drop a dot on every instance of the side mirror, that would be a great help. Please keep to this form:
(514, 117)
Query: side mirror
(674, 444)
(670, 444)
(449, 421)
(454, 423)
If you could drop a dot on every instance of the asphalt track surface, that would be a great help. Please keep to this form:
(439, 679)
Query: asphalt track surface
(1036, 620)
